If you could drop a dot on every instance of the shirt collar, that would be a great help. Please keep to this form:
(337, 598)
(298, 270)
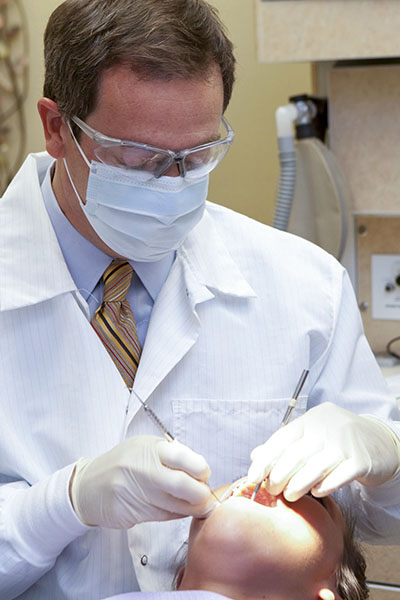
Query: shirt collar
(154, 274)
(86, 262)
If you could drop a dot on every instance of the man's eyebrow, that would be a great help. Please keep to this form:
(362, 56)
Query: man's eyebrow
(213, 138)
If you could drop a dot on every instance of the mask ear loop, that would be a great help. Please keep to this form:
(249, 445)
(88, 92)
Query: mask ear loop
(66, 165)
(78, 145)
(72, 183)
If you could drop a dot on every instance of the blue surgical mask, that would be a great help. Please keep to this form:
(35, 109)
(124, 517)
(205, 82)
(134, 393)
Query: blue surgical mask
(139, 217)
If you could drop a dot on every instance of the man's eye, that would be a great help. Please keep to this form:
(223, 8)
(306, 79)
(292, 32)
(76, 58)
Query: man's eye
(141, 160)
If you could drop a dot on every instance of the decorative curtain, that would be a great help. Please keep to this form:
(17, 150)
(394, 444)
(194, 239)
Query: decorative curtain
(13, 87)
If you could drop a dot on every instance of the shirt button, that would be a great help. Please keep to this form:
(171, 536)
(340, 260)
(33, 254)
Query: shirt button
(144, 560)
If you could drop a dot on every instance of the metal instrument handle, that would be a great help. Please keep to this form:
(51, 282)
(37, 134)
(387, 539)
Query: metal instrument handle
(290, 408)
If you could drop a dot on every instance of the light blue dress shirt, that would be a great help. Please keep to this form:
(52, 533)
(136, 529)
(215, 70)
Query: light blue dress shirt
(87, 263)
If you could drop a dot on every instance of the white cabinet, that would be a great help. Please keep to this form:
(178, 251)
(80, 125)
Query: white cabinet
(315, 30)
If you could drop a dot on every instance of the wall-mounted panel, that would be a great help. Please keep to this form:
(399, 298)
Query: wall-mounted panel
(376, 235)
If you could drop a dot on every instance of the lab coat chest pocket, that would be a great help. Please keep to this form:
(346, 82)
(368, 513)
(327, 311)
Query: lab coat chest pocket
(226, 431)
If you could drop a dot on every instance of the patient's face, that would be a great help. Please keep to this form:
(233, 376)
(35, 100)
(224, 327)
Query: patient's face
(269, 548)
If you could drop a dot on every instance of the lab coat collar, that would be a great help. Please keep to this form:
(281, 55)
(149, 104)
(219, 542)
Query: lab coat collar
(32, 267)
(206, 255)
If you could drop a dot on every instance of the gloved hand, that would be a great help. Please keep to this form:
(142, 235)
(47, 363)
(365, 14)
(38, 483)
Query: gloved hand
(323, 450)
(145, 478)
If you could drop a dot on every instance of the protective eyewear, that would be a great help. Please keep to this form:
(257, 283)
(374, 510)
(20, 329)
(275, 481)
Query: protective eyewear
(192, 163)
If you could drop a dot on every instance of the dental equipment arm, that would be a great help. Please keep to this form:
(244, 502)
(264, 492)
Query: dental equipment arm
(323, 450)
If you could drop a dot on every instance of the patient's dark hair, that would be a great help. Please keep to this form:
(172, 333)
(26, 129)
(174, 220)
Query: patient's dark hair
(351, 580)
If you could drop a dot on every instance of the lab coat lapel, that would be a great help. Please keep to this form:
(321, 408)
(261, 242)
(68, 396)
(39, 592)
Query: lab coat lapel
(203, 268)
(174, 327)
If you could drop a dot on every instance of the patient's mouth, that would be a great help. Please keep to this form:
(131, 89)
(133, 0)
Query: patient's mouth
(245, 490)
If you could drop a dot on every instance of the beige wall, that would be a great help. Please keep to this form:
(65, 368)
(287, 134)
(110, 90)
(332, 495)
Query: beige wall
(246, 181)
(38, 12)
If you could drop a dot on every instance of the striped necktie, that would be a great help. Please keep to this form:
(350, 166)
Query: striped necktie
(114, 322)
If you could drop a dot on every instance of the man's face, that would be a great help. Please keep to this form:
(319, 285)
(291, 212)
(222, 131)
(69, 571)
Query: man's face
(170, 114)
(272, 550)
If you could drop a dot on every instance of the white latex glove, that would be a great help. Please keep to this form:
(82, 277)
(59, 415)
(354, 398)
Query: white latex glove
(323, 450)
(145, 478)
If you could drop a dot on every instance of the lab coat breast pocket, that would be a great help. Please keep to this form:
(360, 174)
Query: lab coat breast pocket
(226, 431)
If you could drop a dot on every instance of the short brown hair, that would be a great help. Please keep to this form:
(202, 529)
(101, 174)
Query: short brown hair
(156, 38)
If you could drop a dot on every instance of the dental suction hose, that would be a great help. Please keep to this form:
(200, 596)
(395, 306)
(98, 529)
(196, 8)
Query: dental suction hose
(301, 111)
(285, 116)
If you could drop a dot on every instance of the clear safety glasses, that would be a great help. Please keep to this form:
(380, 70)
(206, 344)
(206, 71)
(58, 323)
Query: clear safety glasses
(192, 163)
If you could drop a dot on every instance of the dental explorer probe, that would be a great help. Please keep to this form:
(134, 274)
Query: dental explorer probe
(168, 436)
(290, 408)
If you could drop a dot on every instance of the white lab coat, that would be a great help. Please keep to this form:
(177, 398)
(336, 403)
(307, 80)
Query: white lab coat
(244, 310)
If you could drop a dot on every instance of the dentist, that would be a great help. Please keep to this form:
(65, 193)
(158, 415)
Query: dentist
(118, 281)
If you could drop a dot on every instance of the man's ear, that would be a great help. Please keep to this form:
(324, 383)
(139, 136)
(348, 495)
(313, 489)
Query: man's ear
(53, 127)
(328, 594)
(180, 577)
